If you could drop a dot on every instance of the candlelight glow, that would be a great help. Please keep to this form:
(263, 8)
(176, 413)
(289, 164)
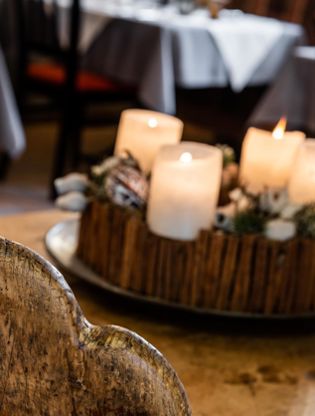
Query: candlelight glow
(152, 123)
(185, 157)
(184, 190)
(279, 130)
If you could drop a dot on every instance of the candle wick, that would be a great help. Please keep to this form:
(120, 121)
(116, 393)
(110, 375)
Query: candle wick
(152, 123)
(278, 134)
(279, 130)
(185, 157)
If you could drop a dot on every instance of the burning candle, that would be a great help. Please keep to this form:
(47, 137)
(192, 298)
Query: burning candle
(184, 190)
(302, 182)
(143, 132)
(267, 158)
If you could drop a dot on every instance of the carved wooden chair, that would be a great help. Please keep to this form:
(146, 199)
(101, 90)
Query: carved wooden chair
(54, 362)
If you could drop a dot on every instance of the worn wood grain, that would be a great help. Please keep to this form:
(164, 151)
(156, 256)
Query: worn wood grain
(215, 359)
(54, 362)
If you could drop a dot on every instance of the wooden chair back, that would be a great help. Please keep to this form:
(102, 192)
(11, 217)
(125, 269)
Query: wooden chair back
(54, 362)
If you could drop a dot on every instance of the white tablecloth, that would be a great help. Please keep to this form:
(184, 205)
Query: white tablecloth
(292, 95)
(242, 40)
(12, 139)
(157, 48)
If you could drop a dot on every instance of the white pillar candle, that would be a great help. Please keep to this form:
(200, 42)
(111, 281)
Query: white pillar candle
(302, 182)
(143, 132)
(267, 158)
(184, 190)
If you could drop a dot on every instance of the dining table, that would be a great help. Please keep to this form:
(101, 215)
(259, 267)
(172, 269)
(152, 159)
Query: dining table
(229, 366)
(156, 48)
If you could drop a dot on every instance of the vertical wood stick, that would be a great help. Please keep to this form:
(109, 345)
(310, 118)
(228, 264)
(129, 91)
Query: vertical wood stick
(83, 234)
(189, 248)
(115, 248)
(311, 297)
(129, 244)
(291, 279)
(289, 265)
(105, 227)
(304, 282)
(151, 265)
(160, 268)
(180, 261)
(94, 226)
(228, 273)
(138, 261)
(276, 276)
(198, 272)
(168, 269)
(213, 268)
(242, 281)
(259, 276)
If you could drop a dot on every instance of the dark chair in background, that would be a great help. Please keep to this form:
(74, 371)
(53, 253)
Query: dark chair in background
(52, 71)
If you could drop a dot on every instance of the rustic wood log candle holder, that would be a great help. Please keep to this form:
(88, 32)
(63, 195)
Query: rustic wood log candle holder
(222, 272)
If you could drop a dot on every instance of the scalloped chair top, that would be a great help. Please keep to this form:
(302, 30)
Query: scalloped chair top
(54, 362)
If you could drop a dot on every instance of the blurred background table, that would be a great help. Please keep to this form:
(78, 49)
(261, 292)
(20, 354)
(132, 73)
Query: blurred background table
(186, 64)
(177, 63)
(229, 367)
(158, 49)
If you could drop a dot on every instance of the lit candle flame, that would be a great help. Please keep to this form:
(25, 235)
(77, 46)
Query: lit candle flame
(186, 157)
(152, 123)
(279, 130)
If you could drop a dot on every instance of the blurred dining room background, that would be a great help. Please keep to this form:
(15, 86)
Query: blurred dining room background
(68, 69)
(233, 312)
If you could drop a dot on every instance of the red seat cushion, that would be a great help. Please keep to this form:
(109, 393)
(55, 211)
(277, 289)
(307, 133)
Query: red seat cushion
(55, 74)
